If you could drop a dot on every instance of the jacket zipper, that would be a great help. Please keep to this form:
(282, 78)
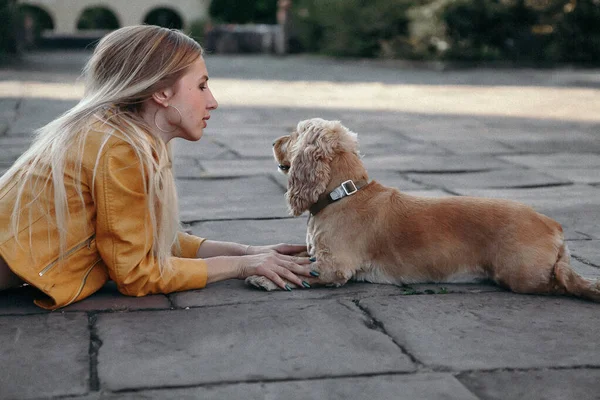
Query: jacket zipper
(87, 273)
(87, 242)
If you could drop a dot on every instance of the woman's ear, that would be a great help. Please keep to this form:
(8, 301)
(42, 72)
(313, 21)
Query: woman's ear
(163, 96)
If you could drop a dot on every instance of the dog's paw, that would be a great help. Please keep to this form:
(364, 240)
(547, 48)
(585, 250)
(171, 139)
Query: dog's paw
(261, 282)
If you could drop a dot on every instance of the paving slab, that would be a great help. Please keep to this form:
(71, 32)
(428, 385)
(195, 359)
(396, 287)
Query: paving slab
(472, 146)
(541, 161)
(35, 113)
(578, 175)
(255, 197)
(491, 330)
(395, 179)
(428, 386)
(432, 163)
(586, 250)
(237, 292)
(235, 168)
(272, 231)
(44, 355)
(563, 384)
(502, 178)
(574, 145)
(204, 149)
(240, 343)
(251, 145)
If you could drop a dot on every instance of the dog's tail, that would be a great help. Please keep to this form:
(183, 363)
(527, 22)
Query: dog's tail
(569, 282)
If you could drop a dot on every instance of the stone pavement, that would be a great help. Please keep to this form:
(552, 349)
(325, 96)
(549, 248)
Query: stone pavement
(527, 135)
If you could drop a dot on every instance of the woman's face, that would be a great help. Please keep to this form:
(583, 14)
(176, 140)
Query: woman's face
(194, 100)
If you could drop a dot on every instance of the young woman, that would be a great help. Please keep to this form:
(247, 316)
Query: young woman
(94, 197)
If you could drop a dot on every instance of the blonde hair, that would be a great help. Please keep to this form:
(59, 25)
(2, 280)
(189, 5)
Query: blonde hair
(127, 67)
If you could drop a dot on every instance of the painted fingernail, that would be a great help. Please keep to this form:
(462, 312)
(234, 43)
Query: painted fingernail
(305, 284)
(288, 288)
(314, 273)
(312, 259)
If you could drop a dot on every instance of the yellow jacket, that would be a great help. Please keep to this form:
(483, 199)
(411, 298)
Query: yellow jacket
(117, 247)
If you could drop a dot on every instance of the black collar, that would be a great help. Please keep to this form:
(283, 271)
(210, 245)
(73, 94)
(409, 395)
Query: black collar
(347, 188)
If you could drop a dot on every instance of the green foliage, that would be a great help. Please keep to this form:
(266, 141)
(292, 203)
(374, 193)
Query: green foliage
(8, 26)
(357, 28)
(97, 18)
(577, 34)
(243, 12)
(196, 30)
(522, 31)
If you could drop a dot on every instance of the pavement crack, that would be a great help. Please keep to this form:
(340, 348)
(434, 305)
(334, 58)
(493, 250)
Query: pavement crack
(95, 344)
(585, 261)
(376, 325)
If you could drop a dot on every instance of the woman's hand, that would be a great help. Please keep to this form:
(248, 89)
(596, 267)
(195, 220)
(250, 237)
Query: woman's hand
(276, 266)
(281, 248)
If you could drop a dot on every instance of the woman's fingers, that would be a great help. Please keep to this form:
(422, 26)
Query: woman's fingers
(290, 248)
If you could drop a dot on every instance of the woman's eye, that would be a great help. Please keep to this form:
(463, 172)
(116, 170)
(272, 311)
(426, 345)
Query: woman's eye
(204, 87)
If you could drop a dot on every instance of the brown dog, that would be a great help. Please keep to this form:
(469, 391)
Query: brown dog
(365, 231)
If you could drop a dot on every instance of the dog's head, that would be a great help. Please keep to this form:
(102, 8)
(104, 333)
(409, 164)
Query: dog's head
(306, 156)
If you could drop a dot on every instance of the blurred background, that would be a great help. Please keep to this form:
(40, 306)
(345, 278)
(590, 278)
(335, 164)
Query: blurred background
(517, 32)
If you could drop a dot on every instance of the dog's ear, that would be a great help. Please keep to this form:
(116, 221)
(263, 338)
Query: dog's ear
(310, 171)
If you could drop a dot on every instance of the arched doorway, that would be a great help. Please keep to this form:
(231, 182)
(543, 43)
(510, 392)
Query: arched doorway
(97, 18)
(35, 21)
(165, 17)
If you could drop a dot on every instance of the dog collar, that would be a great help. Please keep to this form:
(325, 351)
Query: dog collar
(347, 188)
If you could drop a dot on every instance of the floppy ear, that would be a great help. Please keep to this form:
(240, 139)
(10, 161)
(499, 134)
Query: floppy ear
(309, 171)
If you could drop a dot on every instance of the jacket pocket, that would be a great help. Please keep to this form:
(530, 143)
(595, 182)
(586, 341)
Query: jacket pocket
(86, 243)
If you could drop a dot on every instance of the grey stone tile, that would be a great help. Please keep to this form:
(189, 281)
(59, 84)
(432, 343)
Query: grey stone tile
(585, 270)
(44, 355)
(491, 330)
(35, 113)
(247, 145)
(242, 342)
(109, 299)
(472, 146)
(432, 163)
(428, 386)
(256, 197)
(586, 250)
(564, 160)
(261, 232)
(581, 384)
(379, 143)
(234, 168)
(237, 292)
(543, 198)
(581, 145)
(488, 179)
(577, 175)
(204, 149)
(394, 179)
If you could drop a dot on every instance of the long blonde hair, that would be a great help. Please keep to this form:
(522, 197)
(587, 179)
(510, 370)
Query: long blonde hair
(127, 67)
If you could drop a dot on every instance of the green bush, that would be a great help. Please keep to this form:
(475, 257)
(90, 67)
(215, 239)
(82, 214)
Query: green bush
(356, 28)
(576, 38)
(243, 12)
(8, 28)
(488, 29)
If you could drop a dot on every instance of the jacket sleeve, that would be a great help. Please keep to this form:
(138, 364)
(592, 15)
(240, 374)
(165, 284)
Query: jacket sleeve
(124, 231)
